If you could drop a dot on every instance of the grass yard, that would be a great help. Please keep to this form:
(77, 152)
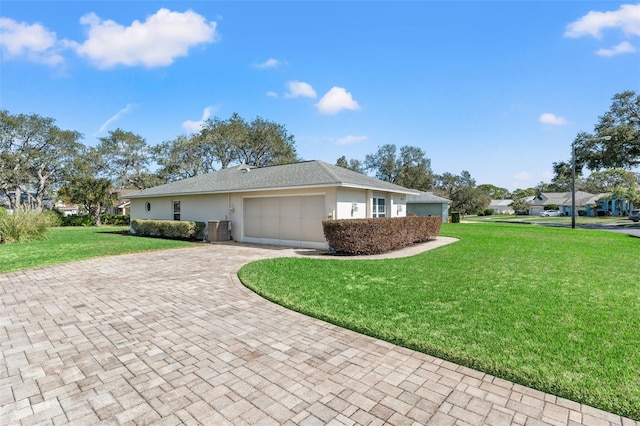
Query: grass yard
(551, 308)
(67, 244)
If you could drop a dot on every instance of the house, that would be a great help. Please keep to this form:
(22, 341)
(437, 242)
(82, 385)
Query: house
(501, 206)
(122, 206)
(66, 209)
(281, 205)
(427, 204)
(585, 201)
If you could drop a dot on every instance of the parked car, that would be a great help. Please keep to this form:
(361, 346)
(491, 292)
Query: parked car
(550, 213)
(634, 215)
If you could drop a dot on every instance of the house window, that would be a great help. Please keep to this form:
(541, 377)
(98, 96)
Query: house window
(379, 207)
(148, 206)
(176, 210)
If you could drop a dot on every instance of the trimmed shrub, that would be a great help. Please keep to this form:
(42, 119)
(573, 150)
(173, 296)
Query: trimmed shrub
(488, 212)
(178, 229)
(77, 220)
(24, 225)
(373, 236)
(582, 212)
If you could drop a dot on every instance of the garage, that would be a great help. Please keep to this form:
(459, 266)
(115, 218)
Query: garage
(294, 221)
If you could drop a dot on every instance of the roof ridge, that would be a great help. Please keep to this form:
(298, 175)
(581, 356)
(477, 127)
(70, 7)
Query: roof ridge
(328, 170)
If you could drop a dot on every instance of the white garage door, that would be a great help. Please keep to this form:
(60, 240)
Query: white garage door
(289, 221)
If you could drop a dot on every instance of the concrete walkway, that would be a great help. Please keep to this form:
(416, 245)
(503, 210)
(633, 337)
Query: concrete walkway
(171, 337)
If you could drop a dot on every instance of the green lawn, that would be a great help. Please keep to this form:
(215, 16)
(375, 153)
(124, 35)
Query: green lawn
(551, 308)
(75, 243)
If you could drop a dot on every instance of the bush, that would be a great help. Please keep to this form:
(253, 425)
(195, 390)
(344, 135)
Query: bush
(179, 229)
(551, 207)
(455, 217)
(77, 220)
(24, 225)
(372, 236)
(582, 213)
(488, 212)
(115, 219)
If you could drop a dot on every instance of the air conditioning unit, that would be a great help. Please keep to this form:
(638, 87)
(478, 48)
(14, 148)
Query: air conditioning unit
(219, 230)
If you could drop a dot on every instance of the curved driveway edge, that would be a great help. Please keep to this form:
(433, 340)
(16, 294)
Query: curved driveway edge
(171, 337)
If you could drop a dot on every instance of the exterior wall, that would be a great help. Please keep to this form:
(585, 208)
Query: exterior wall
(201, 208)
(351, 204)
(430, 209)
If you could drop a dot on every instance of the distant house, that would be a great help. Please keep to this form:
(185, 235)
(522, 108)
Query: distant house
(123, 205)
(589, 203)
(66, 209)
(279, 205)
(427, 204)
(501, 206)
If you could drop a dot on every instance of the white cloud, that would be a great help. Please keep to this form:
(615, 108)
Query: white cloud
(626, 18)
(299, 89)
(158, 41)
(272, 94)
(554, 120)
(624, 47)
(35, 42)
(269, 63)
(196, 126)
(336, 100)
(119, 114)
(350, 139)
(523, 176)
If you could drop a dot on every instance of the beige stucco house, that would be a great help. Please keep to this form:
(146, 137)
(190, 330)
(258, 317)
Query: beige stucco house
(281, 205)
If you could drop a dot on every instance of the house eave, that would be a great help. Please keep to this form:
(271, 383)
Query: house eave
(280, 188)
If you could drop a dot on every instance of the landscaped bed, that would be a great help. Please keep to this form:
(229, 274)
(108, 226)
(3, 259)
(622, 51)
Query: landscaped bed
(554, 309)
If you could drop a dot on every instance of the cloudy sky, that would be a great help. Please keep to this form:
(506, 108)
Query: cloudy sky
(497, 88)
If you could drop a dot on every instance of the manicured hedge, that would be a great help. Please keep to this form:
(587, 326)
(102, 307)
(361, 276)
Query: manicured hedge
(182, 229)
(373, 236)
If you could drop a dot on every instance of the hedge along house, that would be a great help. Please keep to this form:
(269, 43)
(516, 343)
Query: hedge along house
(279, 205)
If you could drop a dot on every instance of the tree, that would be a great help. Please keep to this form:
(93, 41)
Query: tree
(266, 144)
(462, 191)
(218, 140)
(123, 157)
(615, 142)
(519, 205)
(34, 155)
(94, 194)
(411, 169)
(609, 180)
(352, 164)
(182, 158)
(494, 192)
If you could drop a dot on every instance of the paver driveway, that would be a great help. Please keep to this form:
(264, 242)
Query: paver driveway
(171, 337)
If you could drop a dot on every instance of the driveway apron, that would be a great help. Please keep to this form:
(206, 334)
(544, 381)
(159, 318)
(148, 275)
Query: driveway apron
(171, 337)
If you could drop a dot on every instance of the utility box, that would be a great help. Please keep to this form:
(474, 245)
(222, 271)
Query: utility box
(219, 230)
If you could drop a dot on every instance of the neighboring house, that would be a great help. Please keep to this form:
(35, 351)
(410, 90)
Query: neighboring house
(123, 205)
(427, 204)
(589, 203)
(501, 206)
(281, 205)
(66, 209)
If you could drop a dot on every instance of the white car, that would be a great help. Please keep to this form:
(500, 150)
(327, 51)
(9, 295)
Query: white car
(634, 215)
(550, 213)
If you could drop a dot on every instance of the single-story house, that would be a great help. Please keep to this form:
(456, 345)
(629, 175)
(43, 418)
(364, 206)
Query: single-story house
(123, 205)
(280, 205)
(501, 206)
(428, 204)
(585, 201)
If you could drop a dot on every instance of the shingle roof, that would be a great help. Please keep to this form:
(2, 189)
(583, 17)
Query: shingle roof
(426, 197)
(296, 175)
(564, 198)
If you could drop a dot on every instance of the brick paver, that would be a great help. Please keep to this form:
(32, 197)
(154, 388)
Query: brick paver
(171, 337)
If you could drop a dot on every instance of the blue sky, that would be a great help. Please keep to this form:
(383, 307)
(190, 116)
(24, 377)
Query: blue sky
(497, 88)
